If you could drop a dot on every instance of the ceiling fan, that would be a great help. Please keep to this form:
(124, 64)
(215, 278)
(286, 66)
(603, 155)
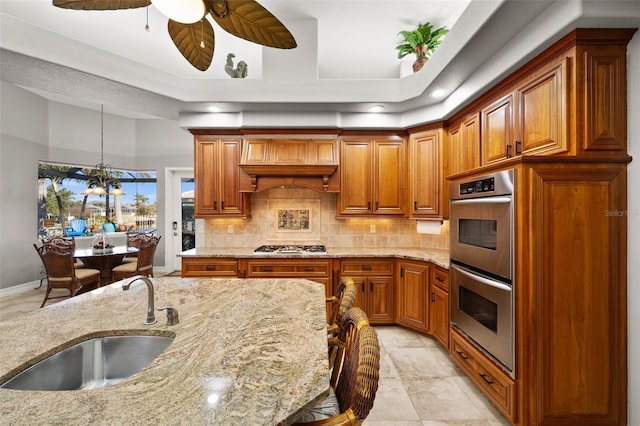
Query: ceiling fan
(193, 35)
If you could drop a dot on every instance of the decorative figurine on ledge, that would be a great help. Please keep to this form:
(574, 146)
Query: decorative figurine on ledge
(241, 71)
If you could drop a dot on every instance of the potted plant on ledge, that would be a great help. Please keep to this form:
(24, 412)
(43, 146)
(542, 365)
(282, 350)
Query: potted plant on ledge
(422, 41)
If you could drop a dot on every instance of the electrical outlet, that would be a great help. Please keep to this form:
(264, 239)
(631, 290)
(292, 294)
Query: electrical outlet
(230, 229)
(372, 229)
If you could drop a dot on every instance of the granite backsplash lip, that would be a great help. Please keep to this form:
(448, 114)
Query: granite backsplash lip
(437, 256)
(176, 387)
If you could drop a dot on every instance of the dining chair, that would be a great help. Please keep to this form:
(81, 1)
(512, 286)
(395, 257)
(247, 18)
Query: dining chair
(343, 300)
(57, 258)
(135, 240)
(143, 264)
(65, 243)
(354, 378)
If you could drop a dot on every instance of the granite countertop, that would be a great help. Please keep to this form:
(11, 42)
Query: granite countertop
(246, 352)
(436, 256)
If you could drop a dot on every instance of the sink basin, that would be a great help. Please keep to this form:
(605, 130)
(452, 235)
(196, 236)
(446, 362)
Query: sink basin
(91, 364)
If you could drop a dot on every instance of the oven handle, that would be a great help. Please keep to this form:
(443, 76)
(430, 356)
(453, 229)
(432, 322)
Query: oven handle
(482, 279)
(487, 200)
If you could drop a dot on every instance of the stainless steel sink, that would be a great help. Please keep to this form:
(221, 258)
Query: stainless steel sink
(91, 364)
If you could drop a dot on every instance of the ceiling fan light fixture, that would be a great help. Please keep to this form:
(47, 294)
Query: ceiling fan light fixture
(183, 11)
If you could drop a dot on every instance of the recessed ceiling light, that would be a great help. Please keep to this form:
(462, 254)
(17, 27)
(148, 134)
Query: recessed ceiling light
(376, 108)
(214, 108)
(438, 93)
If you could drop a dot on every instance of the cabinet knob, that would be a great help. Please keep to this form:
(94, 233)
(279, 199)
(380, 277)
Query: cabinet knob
(508, 153)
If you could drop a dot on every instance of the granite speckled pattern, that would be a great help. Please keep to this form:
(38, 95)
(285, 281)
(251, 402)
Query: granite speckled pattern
(246, 352)
(438, 257)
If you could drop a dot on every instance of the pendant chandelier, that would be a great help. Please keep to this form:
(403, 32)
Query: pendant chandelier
(101, 177)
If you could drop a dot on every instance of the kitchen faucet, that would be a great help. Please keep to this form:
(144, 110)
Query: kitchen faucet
(151, 318)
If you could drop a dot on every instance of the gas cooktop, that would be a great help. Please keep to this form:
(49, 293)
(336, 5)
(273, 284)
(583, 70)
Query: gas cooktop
(291, 249)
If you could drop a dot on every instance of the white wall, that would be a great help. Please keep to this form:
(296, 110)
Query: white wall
(34, 129)
(633, 278)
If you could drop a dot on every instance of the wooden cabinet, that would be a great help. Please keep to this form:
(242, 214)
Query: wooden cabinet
(373, 176)
(439, 305)
(495, 384)
(374, 279)
(413, 294)
(215, 267)
(464, 144)
(217, 177)
(270, 162)
(426, 184)
(571, 292)
(318, 270)
(532, 119)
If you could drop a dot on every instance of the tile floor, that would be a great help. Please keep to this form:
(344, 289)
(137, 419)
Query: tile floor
(419, 384)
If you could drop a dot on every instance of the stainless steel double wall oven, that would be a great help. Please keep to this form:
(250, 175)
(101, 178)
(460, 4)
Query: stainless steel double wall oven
(482, 253)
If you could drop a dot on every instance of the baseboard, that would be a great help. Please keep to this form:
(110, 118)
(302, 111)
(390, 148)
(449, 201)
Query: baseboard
(20, 288)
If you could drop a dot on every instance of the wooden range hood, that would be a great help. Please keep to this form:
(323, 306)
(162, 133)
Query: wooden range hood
(272, 162)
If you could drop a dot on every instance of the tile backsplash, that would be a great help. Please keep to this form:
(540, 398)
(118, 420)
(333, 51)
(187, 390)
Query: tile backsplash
(323, 227)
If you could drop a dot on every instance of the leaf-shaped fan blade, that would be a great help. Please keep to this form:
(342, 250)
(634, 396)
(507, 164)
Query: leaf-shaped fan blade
(100, 4)
(247, 19)
(189, 38)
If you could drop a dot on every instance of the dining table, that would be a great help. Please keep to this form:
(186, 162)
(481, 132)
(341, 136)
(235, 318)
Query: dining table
(244, 352)
(103, 261)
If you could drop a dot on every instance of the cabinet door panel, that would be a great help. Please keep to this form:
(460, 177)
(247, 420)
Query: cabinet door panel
(389, 178)
(413, 292)
(230, 195)
(380, 300)
(206, 178)
(542, 114)
(426, 174)
(439, 321)
(497, 123)
(355, 194)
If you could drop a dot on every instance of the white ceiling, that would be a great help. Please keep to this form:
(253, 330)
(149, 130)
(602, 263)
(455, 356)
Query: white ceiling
(345, 60)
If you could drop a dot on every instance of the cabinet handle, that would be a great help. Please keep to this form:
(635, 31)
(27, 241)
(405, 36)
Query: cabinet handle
(222, 205)
(518, 147)
(366, 267)
(210, 268)
(369, 205)
(401, 272)
(508, 150)
(415, 205)
(266, 269)
(371, 287)
(462, 355)
(439, 279)
(215, 205)
(376, 205)
(362, 287)
(309, 269)
(484, 377)
(433, 296)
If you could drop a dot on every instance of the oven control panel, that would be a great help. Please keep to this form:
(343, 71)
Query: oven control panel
(478, 186)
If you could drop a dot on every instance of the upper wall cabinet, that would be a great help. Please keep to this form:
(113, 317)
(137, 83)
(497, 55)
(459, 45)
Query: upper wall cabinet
(464, 144)
(372, 174)
(530, 120)
(568, 101)
(217, 177)
(426, 194)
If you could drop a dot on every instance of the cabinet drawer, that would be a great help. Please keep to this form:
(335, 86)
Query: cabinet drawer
(360, 267)
(209, 267)
(285, 269)
(494, 383)
(440, 277)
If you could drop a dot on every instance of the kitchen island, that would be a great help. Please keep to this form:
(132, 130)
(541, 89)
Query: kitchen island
(246, 352)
